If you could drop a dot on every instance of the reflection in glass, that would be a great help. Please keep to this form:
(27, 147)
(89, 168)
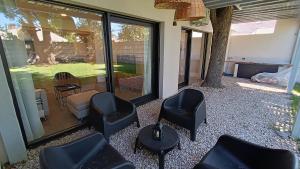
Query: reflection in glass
(196, 57)
(132, 58)
(182, 59)
(53, 53)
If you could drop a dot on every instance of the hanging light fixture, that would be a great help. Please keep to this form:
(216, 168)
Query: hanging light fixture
(194, 12)
(172, 4)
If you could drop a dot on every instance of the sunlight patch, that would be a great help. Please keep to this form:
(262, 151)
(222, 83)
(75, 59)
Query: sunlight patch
(261, 87)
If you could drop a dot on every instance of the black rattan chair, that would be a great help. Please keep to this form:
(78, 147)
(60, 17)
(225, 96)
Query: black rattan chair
(109, 114)
(233, 153)
(186, 109)
(89, 152)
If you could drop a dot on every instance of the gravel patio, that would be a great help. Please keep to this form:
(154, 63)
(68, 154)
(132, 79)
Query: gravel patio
(247, 110)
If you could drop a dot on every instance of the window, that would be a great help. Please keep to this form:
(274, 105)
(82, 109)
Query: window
(193, 52)
(132, 57)
(59, 57)
(183, 58)
(53, 54)
(253, 28)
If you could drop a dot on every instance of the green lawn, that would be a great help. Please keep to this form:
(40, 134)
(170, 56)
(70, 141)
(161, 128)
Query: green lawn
(42, 74)
(296, 98)
(87, 72)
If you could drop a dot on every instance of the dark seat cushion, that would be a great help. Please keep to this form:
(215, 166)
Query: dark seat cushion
(177, 113)
(107, 158)
(219, 157)
(90, 152)
(110, 114)
(118, 116)
(233, 153)
(204, 166)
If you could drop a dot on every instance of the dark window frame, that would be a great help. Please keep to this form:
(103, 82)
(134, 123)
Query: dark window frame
(107, 16)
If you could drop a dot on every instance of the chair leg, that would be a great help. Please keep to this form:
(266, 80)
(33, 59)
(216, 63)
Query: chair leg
(159, 118)
(193, 134)
(138, 122)
(106, 137)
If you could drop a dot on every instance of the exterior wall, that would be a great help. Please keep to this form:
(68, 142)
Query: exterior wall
(276, 48)
(169, 35)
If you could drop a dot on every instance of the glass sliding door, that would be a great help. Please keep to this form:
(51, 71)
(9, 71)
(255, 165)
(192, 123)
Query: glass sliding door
(56, 57)
(197, 57)
(183, 57)
(192, 57)
(131, 58)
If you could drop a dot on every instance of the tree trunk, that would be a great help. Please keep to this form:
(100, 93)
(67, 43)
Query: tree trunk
(221, 22)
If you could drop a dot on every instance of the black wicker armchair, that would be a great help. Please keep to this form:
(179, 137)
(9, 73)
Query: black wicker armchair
(109, 114)
(233, 153)
(186, 109)
(89, 152)
(65, 78)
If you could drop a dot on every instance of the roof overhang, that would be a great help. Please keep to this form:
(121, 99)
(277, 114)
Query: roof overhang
(258, 10)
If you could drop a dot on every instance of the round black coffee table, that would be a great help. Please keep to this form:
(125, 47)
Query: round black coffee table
(169, 141)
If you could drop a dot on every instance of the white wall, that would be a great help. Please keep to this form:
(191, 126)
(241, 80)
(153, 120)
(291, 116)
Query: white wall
(276, 48)
(169, 35)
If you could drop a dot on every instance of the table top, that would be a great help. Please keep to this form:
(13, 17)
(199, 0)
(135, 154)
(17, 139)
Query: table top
(169, 140)
(67, 87)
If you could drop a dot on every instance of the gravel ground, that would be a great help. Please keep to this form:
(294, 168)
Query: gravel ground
(243, 109)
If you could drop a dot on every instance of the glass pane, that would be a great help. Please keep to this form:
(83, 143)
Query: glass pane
(182, 59)
(196, 57)
(132, 57)
(56, 59)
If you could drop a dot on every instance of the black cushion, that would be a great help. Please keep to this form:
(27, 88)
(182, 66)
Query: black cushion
(107, 158)
(233, 153)
(89, 152)
(204, 166)
(115, 117)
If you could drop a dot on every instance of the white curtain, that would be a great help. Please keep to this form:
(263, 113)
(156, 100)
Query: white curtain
(24, 88)
(147, 60)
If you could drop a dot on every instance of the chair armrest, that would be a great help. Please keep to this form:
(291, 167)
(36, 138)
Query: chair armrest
(199, 112)
(172, 101)
(74, 153)
(84, 143)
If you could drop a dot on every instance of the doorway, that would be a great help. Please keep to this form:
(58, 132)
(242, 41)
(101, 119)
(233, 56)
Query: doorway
(193, 60)
(184, 58)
